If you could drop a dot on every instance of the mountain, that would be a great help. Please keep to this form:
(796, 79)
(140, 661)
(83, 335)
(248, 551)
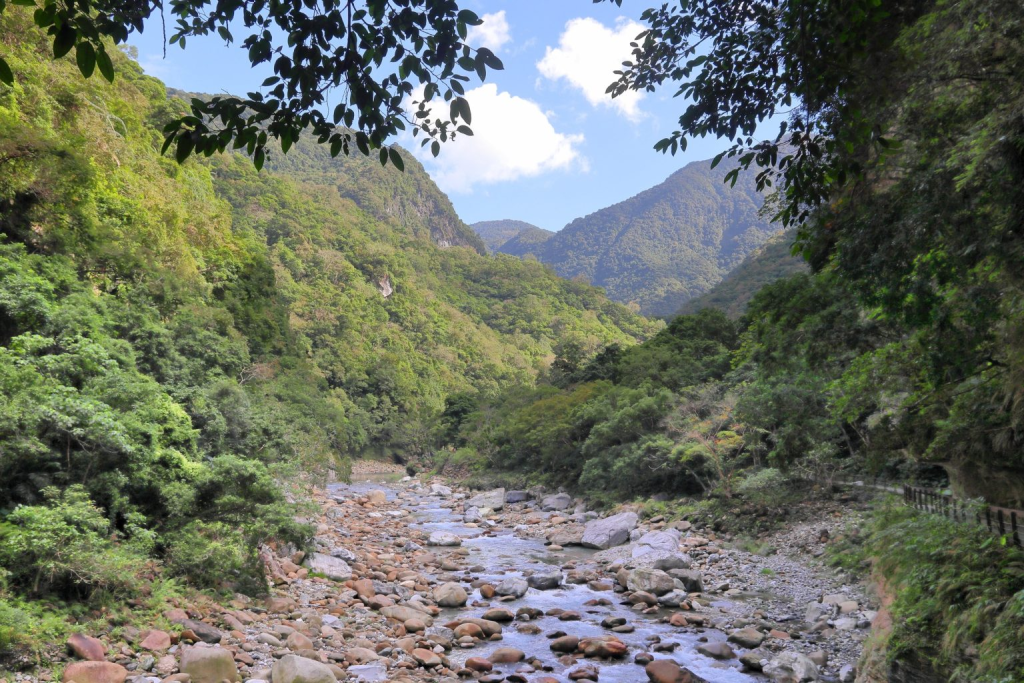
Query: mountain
(665, 245)
(176, 340)
(496, 234)
(527, 242)
(769, 263)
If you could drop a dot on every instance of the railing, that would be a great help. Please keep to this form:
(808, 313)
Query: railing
(1004, 522)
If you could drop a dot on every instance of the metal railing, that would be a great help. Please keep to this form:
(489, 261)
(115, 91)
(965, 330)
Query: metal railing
(1004, 522)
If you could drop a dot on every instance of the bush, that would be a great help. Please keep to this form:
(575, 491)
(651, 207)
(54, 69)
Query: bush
(66, 547)
(214, 555)
(768, 487)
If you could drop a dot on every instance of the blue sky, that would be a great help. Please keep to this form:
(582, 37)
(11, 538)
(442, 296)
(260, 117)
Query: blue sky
(549, 145)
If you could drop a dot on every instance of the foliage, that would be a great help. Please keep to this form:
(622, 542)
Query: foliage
(334, 45)
(662, 247)
(502, 234)
(958, 596)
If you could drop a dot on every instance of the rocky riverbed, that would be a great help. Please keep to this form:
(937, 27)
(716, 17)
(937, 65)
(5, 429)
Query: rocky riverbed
(415, 581)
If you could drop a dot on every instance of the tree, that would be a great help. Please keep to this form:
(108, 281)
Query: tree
(742, 63)
(372, 54)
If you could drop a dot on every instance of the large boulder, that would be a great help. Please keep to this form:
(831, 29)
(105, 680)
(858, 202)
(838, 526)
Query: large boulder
(206, 633)
(440, 490)
(517, 496)
(491, 499)
(450, 595)
(610, 531)
(295, 669)
(545, 580)
(334, 568)
(667, 671)
(692, 580)
(650, 581)
(748, 637)
(791, 667)
(87, 647)
(556, 502)
(443, 538)
(377, 497)
(667, 540)
(95, 672)
(566, 536)
(209, 665)
(515, 587)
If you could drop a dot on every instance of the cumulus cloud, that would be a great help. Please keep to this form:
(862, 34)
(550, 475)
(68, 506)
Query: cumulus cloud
(588, 53)
(512, 138)
(492, 34)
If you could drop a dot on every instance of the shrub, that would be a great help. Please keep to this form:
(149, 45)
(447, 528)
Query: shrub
(66, 547)
(768, 487)
(214, 555)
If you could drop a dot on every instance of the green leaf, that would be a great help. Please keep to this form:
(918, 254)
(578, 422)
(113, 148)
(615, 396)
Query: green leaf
(435, 147)
(105, 65)
(396, 158)
(258, 158)
(168, 141)
(6, 75)
(383, 156)
(64, 40)
(85, 56)
(185, 147)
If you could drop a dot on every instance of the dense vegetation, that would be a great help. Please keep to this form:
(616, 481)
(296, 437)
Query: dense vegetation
(771, 262)
(179, 344)
(662, 247)
(496, 234)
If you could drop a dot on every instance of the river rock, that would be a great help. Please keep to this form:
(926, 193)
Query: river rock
(692, 580)
(545, 580)
(209, 664)
(296, 641)
(443, 538)
(87, 647)
(426, 658)
(440, 490)
(667, 540)
(491, 499)
(95, 672)
(513, 586)
(472, 515)
(667, 671)
(450, 595)
(747, 637)
(564, 537)
(517, 496)
(791, 667)
(556, 502)
(295, 669)
(565, 644)
(403, 614)
(610, 531)
(377, 497)
(650, 581)
(156, 641)
(206, 633)
(506, 655)
(334, 568)
(673, 598)
(716, 650)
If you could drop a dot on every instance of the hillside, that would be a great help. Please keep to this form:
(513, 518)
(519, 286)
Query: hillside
(177, 339)
(771, 262)
(665, 245)
(495, 234)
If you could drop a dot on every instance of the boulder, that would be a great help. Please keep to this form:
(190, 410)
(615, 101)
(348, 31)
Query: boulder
(517, 496)
(667, 540)
(692, 580)
(450, 595)
(791, 667)
(716, 650)
(506, 655)
(545, 580)
(650, 581)
(86, 647)
(667, 671)
(443, 538)
(334, 568)
(673, 598)
(673, 561)
(205, 632)
(748, 637)
(557, 502)
(515, 587)
(296, 641)
(209, 664)
(491, 499)
(95, 672)
(295, 669)
(564, 537)
(472, 515)
(369, 673)
(610, 531)
(156, 641)
(377, 496)
(440, 490)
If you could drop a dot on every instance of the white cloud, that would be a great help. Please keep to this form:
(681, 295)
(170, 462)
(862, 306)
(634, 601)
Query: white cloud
(512, 138)
(588, 53)
(492, 34)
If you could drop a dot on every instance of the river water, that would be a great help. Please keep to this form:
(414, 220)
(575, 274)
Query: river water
(500, 554)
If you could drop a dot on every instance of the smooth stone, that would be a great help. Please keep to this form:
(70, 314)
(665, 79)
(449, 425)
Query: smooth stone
(610, 531)
(506, 655)
(95, 672)
(87, 647)
(450, 595)
(296, 669)
(209, 665)
(791, 667)
(334, 568)
(716, 650)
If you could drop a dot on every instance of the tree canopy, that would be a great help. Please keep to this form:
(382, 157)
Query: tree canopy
(372, 55)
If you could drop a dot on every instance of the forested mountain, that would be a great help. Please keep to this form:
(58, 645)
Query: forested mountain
(771, 262)
(666, 244)
(496, 234)
(174, 337)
